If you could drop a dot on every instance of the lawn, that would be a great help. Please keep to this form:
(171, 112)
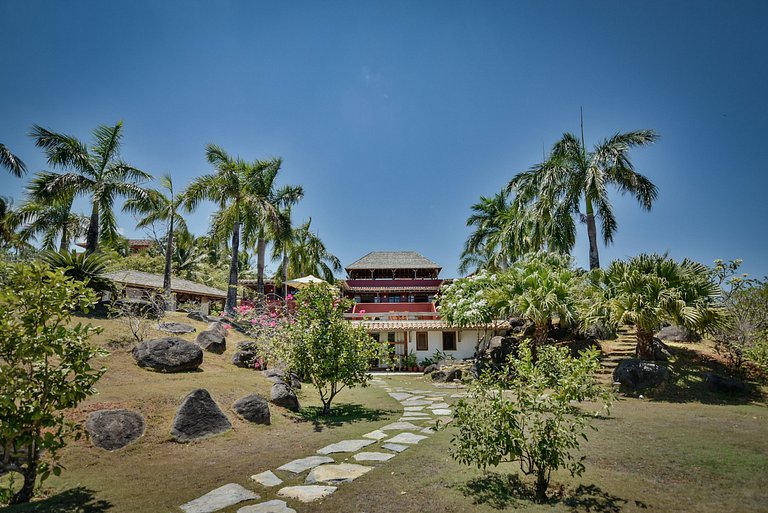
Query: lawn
(682, 449)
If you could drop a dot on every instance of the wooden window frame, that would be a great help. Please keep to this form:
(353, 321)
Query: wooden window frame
(426, 341)
(455, 341)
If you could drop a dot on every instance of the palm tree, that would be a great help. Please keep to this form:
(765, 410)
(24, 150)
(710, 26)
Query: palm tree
(273, 220)
(159, 207)
(491, 244)
(237, 188)
(11, 162)
(97, 171)
(10, 238)
(649, 290)
(50, 221)
(571, 173)
(304, 253)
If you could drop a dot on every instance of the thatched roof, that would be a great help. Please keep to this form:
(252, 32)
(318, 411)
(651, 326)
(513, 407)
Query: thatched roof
(393, 260)
(155, 281)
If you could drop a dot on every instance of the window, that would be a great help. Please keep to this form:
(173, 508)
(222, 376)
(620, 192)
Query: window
(394, 299)
(375, 336)
(449, 341)
(390, 337)
(422, 342)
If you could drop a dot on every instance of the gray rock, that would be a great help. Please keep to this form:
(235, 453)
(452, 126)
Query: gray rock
(638, 374)
(724, 385)
(198, 416)
(267, 478)
(218, 327)
(176, 327)
(345, 446)
(244, 359)
(253, 408)
(168, 354)
(197, 316)
(400, 426)
(395, 447)
(677, 334)
(274, 506)
(336, 474)
(306, 493)
(283, 395)
(406, 438)
(219, 498)
(373, 456)
(446, 376)
(302, 464)
(113, 429)
(212, 341)
(431, 368)
(660, 350)
(376, 435)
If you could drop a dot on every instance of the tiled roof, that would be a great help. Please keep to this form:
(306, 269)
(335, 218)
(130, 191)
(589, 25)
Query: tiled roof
(393, 260)
(420, 325)
(155, 281)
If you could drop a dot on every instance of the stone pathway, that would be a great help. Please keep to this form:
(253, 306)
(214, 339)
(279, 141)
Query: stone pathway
(421, 408)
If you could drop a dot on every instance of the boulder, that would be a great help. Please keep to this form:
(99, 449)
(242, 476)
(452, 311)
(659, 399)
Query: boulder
(253, 408)
(431, 368)
(218, 327)
(525, 330)
(247, 355)
(114, 429)
(724, 385)
(170, 354)
(677, 334)
(212, 341)
(283, 395)
(197, 316)
(501, 347)
(197, 417)
(661, 351)
(176, 327)
(446, 375)
(600, 331)
(638, 374)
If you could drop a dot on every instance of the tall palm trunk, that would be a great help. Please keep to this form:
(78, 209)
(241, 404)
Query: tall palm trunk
(261, 248)
(64, 244)
(167, 272)
(92, 240)
(229, 307)
(540, 334)
(285, 274)
(594, 257)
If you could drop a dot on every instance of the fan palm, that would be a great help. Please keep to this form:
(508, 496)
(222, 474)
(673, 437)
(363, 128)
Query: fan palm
(11, 162)
(157, 206)
(571, 173)
(649, 290)
(304, 253)
(10, 238)
(97, 171)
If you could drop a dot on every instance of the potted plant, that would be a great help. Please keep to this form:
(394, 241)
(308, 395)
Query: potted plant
(411, 361)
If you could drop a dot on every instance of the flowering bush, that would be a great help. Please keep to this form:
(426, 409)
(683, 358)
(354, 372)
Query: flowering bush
(263, 321)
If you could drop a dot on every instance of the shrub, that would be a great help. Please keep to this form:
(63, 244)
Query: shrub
(526, 412)
(44, 368)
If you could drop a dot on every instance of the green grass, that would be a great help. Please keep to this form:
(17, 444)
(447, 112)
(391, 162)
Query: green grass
(675, 450)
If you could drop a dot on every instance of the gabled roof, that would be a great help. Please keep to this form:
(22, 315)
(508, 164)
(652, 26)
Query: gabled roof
(393, 260)
(155, 281)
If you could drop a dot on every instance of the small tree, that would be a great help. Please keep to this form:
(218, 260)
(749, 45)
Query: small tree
(139, 315)
(527, 413)
(323, 347)
(45, 367)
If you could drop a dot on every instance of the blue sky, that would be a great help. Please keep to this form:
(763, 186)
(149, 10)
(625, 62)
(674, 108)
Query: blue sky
(397, 116)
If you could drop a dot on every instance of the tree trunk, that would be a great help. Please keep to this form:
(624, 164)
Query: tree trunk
(231, 303)
(285, 275)
(594, 257)
(542, 483)
(644, 344)
(92, 240)
(261, 248)
(27, 490)
(167, 272)
(540, 335)
(64, 244)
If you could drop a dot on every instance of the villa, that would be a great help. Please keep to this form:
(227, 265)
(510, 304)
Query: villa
(394, 294)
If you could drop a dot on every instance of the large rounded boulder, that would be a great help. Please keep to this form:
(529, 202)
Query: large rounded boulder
(169, 354)
(197, 417)
(283, 395)
(253, 408)
(677, 334)
(114, 429)
(639, 374)
(212, 341)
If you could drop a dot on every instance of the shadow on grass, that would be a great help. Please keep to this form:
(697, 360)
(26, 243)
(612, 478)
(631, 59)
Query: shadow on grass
(341, 414)
(686, 383)
(75, 500)
(502, 491)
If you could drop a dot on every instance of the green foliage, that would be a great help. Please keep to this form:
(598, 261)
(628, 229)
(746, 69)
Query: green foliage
(320, 345)
(648, 290)
(745, 333)
(527, 412)
(142, 261)
(85, 267)
(536, 287)
(45, 367)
